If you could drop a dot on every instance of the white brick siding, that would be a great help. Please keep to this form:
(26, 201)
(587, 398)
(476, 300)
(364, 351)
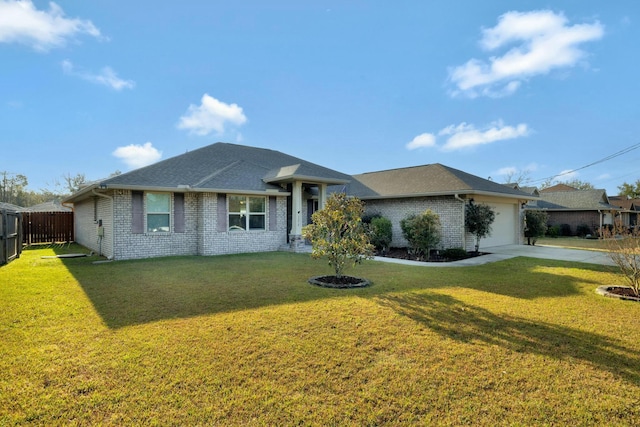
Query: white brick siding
(87, 214)
(200, 237)
(450, 210)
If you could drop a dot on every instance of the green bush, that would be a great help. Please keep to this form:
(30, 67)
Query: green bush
(381, 233)
(536, 225)
(582, 230)
(565, 230)
(454, 253)
(421, 231)
(553, 231)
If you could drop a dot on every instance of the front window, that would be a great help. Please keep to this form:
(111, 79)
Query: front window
(247, 213)
(158, 212)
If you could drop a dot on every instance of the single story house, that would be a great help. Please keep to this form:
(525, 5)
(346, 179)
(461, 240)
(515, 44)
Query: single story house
(228, 198)
(574, 207)
(630, 208)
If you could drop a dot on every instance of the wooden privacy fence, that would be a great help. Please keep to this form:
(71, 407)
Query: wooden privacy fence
(47, 227)
(10, 236)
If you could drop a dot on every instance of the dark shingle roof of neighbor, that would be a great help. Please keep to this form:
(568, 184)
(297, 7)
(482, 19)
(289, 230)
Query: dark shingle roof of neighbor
(226, 166)
(575, 200)
(11, 207)
(426, 180)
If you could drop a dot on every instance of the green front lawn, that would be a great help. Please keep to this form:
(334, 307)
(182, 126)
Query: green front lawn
(244, 340)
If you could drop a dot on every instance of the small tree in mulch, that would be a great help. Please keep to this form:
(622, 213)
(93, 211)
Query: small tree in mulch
(536, 225)
(623, 245)
(337, 232)
(478, 219)
(422, 232)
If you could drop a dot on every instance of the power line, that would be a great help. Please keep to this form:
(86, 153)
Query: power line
(604, 159)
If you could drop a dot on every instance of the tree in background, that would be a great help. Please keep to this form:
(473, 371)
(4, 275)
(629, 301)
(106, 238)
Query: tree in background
(477, 220)
(536, 225)
(13, 188)
(575, 183)
(337, 232)
(422, 232)
(632, 191)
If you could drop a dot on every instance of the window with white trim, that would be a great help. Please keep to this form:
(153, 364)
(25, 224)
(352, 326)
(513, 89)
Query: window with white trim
(158, 212)
(247, 213)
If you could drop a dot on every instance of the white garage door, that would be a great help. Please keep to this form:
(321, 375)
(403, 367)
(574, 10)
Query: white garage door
(504, 228)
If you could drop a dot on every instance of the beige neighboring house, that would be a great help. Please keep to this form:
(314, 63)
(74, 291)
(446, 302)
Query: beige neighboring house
(229, 198)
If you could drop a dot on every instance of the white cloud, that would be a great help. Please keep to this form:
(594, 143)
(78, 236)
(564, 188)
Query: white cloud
(466, 135)
(543, 42)
(137, 156)
(422, 140)
(21, 22)
(106, 77)
(211, 115)
(507, 171)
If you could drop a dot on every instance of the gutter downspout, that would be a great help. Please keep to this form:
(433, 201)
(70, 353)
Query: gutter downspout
(464, 231)
(93, 191)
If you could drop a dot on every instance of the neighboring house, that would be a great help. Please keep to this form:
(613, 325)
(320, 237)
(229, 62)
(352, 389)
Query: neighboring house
(228, 198)
(568, 205)
(630, 209)
(10, 207)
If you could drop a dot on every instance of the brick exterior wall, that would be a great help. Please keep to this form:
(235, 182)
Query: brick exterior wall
(201, 235)
(87, 213)
(450, 210)
(575, 218)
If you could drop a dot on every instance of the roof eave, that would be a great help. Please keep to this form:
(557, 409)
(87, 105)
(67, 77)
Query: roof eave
(452, 193)
(305, 178)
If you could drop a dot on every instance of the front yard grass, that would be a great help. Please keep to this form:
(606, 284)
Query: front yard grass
(245, 340)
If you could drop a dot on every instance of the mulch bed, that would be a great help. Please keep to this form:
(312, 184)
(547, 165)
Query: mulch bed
(341, 282)
(622, 291)
(403, 253)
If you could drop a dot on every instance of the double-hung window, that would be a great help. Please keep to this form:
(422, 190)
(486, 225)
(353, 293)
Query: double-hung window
(158, 212)
(247, 213)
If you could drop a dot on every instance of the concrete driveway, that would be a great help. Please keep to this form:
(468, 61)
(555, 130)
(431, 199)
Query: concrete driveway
(552, 252)
(499, 253)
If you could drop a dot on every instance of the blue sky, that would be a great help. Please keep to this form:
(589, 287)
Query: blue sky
(494, 88)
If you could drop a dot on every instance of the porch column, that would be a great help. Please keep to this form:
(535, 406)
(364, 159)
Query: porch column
(295, 238)
(322, 195)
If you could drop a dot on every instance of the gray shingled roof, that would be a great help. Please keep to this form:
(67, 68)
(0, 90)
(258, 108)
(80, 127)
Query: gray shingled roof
(230, 167)
(222, 167)
(433, 179)
(11, 207)
(575, 200)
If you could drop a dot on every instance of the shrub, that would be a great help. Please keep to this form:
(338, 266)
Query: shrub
(454, 253)
(565, 230)
(582, 230)
(421, 231)
(381, 233)
(553, 231)
(536, 225)
(368, 217)
(337, 232)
